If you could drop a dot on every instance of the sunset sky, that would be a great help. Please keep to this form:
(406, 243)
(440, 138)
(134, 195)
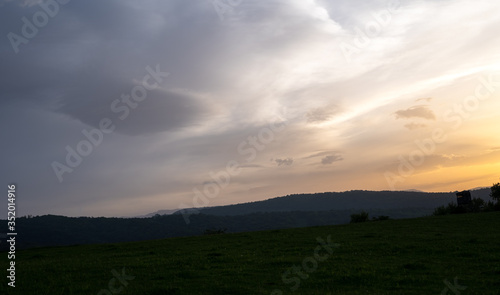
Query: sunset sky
(282, 96)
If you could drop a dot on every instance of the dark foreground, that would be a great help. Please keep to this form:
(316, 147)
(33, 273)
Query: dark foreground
(457, 254)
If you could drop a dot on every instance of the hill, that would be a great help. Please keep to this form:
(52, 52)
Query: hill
(428, 255)
(278, 213)
(349, 200)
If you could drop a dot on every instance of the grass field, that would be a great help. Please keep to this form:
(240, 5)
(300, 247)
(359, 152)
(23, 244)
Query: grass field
(413, 256)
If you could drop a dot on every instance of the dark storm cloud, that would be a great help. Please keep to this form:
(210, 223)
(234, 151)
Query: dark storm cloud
(159, 111)
(89, 54)
(65, 79)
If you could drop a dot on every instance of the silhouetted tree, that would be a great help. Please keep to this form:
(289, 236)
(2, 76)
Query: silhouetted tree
(490, 206)
(495, 192)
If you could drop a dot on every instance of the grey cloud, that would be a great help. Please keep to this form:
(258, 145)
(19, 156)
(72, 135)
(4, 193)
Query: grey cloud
(420, 111)
(250, 166)
(322, 154)
(88, 55)
(331, 159)
(327, 157)
(319, 115)
(284, 162)
(159, 111)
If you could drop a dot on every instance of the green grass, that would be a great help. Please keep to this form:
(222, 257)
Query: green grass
(410, 256)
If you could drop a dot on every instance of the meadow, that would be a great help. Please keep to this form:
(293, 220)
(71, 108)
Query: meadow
(453, 254)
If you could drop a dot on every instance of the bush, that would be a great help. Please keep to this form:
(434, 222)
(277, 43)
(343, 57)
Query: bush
(489, 206)
(455, 209)
(441, 210)
(452, 208)
(477, 205)
(360, 217)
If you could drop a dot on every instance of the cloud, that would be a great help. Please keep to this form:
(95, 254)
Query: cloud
(327, 157)
(331, 159)
(228, 80)
(451, 160)
(420, 111)
(250, 166)
(413, 126)
(453, 156)
(320, 154)
(284, 162)
(21, 3)
(322, 114)
(161, 110)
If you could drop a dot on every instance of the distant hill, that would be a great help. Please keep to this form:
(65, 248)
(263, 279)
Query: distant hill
(160, 212)
(292, 211)
(350, 200)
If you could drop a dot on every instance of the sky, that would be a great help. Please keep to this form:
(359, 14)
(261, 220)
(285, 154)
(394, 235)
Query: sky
(123, 108)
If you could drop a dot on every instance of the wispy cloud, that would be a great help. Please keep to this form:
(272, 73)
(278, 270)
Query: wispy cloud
(421, 111)
(331, 159)
(322, 114)
(413, 126)
(426, 99)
